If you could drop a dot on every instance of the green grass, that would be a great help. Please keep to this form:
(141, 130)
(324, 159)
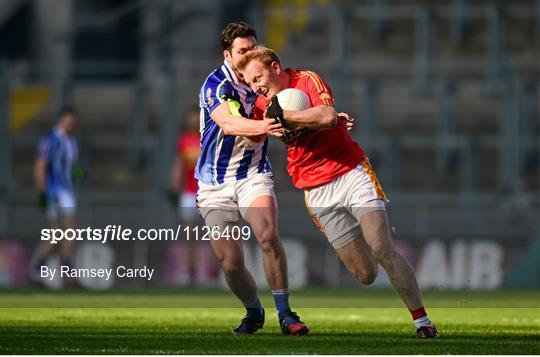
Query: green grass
(503, 329)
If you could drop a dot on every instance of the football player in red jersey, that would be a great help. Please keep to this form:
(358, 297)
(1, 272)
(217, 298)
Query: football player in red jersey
(183, 184)
(198, 267)
(342, 193)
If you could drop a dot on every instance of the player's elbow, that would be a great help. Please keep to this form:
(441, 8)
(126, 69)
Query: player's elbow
(329, 118)
(227, 128)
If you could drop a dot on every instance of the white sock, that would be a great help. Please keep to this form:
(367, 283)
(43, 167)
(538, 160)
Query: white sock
(423, 321)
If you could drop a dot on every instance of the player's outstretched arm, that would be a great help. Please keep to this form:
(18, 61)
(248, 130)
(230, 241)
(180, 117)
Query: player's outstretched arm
(237, 125)
(319, 117)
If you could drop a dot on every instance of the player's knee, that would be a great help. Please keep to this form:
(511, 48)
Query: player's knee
(231, 264)
(367, 275)
(370, 275)
(268, 239)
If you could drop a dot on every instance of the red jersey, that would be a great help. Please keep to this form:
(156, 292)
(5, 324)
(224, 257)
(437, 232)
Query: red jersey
(316, 157)
(188, 148)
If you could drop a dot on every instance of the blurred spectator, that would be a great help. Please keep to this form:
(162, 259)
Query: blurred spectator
(183, 185)
(190, 262)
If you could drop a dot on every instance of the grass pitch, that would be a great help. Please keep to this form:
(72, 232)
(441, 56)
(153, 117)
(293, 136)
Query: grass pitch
(510, 326)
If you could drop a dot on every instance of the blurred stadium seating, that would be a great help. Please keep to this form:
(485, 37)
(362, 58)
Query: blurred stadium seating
(446, 96)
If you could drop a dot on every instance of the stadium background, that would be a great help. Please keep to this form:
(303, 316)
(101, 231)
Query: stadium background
(446, 96)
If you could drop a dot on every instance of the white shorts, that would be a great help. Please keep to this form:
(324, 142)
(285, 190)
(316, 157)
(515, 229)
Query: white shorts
(62, 204)
(232, 199)
(187, 206)
(336, 207)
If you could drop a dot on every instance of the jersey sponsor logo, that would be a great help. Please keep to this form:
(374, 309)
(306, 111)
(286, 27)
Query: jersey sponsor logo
(209, 98)
(367, 194)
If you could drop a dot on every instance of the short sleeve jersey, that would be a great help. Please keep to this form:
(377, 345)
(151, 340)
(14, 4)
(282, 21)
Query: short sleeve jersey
(226, 158)
(316, 157)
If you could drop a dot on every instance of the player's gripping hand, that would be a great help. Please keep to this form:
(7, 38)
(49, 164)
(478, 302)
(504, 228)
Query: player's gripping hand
(346, 120)
(274, 111)
(273, 127)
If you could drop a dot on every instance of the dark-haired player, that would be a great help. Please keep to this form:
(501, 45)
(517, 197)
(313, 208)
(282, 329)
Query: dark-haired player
(235, 181)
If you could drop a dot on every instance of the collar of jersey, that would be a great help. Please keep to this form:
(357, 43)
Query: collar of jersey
(59, 131)
(231, 73)
(291, 73)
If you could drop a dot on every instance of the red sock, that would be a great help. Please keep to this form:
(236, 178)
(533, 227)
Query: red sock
(418, 313)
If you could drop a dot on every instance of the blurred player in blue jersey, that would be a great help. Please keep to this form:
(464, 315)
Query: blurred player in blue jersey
(54, 168)
(235, 180)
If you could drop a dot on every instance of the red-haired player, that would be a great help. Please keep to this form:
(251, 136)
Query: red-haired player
(342, 192)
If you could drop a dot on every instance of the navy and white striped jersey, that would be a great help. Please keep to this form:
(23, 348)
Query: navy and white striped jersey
(61, 153)
(226, 158)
